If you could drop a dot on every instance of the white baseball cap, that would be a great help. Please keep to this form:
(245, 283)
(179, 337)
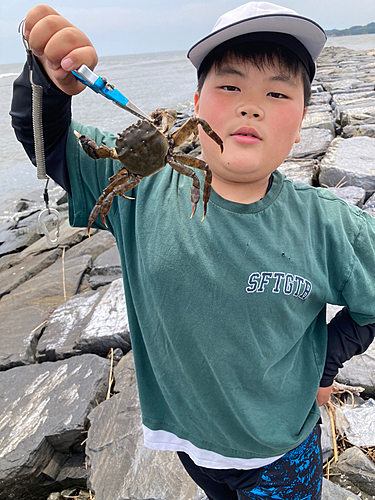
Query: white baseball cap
(264, 21)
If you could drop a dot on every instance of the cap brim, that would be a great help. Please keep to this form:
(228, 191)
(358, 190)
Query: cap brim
(310, 34)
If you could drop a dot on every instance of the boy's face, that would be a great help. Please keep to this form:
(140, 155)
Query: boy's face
(257, 113)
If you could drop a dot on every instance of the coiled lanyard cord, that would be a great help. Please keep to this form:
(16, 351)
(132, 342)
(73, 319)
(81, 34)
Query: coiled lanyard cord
(37, 108)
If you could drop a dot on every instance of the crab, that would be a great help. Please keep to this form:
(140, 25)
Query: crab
(145, 148)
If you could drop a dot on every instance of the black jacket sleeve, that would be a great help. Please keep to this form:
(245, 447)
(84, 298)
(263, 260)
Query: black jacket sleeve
(345, 339)
(56, 121)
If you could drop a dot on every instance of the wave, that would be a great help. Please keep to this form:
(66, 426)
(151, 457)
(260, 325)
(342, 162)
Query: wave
(7, 75)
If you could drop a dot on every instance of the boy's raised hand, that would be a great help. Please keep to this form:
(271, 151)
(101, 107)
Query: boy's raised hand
(59, 46)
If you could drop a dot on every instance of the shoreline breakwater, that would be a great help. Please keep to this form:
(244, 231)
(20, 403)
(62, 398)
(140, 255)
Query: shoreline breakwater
(70, 422)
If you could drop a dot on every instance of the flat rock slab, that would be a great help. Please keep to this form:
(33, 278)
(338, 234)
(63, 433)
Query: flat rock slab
(358, 468)
(367, 130)
(360, 371)
(120, 467)
(320, 98)
(356, 112)
(18, 240)
(24, 310)
(12, 277)
(108, 259)
(96, 245)
(47, 287)
(351, 161)
(333, 492)
(314, 143)
(106, 268)
(44, 411)
(343, 98)
(300, 171)
(351, 194)
(69, 236)
(91, 322)
(322, 119)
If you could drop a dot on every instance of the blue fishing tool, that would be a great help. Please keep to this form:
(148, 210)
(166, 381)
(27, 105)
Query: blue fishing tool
(101, 86)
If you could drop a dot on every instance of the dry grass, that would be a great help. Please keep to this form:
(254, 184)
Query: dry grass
(341, 395)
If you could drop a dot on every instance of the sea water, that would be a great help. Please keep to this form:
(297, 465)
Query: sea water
(165, 79)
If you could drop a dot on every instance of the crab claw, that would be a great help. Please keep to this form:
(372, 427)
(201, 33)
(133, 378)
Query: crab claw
(164, 117)
(194, 198)
(102, 207)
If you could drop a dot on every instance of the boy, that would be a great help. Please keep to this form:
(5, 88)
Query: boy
(227, 316)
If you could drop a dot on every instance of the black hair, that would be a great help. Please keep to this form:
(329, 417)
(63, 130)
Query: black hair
(261, 55)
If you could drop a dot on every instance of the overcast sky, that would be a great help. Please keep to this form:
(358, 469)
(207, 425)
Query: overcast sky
(129, 27)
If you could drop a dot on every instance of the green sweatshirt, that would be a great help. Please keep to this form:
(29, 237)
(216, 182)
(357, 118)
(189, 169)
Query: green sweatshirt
(227, 316)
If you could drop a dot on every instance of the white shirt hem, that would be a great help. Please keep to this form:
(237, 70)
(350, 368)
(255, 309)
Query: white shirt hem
(167, 441)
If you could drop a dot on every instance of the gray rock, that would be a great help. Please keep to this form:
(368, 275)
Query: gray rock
(356, 113)
(44, 412)
(14, 276)
(353, 96)
(344, 84)
(351, 194)
(320, 98)
(324, 120)
(314, 143)
(69, 236)
(367, 130)
(351, 161)
(120, 467)
(370, 203)
(17, 240)
(108, 259)
(96, 245)
(91, 322)
(333, 492)
(300, 171)
(24, 310)
(360, 371)
(359, 469)
(326, 440)
(106, 268)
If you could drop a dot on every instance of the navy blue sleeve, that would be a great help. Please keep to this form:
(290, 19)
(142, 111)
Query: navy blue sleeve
(345, 339)
(56, 121)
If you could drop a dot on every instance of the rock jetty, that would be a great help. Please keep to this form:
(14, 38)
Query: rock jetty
(70, 423)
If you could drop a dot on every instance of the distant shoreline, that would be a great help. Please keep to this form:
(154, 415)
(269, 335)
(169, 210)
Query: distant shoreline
(369, 29)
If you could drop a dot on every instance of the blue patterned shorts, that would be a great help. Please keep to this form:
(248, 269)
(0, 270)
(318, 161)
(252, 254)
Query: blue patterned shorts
(297, 475)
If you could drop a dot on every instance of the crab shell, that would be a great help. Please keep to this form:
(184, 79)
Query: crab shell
(142, 148)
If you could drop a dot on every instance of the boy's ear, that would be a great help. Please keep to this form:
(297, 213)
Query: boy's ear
(298, 138)
(196, 104)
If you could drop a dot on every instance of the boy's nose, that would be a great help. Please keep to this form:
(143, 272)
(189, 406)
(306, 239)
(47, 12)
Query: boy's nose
(255, 115)
(251, 110)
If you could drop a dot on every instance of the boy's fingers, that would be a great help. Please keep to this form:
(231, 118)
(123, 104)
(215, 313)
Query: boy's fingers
(60, 47)
(83, 55)
(45, 30)
(69, 42)
(36, 14)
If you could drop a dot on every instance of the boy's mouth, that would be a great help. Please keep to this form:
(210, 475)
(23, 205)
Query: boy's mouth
(246, 135)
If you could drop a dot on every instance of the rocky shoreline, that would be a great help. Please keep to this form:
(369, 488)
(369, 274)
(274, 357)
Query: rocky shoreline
(70, 418)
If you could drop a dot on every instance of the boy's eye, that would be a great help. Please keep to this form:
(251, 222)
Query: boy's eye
(277, 95)
(230, 88)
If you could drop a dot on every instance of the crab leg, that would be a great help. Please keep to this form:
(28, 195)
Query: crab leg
(94, 151)
(104, 202)
(178, 161)
(190, 127)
